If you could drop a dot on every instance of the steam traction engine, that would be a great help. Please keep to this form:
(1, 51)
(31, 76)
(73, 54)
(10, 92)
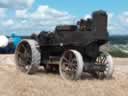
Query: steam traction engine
(71, 49)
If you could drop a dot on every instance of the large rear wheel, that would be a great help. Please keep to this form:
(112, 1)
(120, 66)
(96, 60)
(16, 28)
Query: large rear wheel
(71, 65)
(28, 56)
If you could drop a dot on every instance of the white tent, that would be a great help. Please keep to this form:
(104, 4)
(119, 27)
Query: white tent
(3, 41)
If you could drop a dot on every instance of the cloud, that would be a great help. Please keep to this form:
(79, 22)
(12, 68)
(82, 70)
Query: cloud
(87, 16)
(124, 18)
(47, 13)
(8, 23)
(118, 24)
(21, 13)
(110, 21)
(25, 22)
(16, 4)
(43, 18)
(2, 12)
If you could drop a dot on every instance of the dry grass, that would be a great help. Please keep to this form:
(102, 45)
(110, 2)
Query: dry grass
(14, 83)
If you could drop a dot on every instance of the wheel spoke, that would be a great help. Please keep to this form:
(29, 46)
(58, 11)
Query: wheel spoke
(103, 59)
(21, 56)
(63, 67)
(18, 52)
(22, 46)
(98, 60)
(20, 62)
(65, 59)
(70, 56)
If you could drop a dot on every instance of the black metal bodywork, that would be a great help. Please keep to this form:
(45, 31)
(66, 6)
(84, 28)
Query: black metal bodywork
(86, 37)
(69, 49)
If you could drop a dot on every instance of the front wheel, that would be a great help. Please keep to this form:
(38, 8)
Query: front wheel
(71, 65)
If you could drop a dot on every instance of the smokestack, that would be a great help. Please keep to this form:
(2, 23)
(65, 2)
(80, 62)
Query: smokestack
(99, 21)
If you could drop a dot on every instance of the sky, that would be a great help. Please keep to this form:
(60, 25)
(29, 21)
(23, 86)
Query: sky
(23, 17)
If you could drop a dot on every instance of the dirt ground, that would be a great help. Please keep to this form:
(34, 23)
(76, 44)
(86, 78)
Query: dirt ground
(15, 83)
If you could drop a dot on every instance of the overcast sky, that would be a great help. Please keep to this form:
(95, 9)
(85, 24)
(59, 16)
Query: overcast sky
(24, 17)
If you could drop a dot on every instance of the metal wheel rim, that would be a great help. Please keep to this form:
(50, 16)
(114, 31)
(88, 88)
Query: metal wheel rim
(69, 65)
(76, 65)
(106, 60)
